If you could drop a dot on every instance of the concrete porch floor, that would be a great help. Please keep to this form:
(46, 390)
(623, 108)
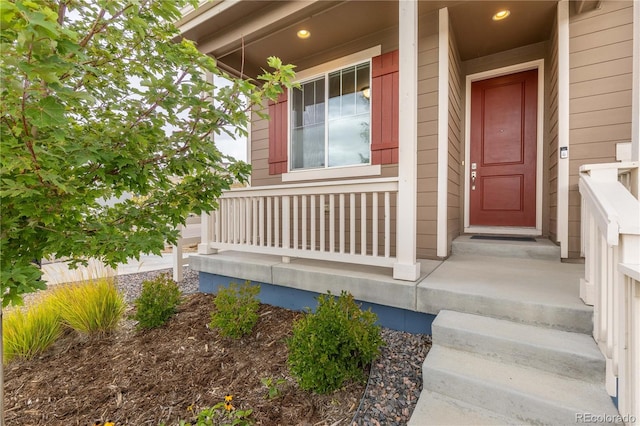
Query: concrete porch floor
(537, 291)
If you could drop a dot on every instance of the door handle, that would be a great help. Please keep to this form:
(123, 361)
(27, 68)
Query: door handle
(473, 181)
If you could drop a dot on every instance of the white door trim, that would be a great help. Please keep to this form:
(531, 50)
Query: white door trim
(539, 65)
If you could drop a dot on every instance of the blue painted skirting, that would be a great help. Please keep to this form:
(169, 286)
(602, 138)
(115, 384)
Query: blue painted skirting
(297, 300)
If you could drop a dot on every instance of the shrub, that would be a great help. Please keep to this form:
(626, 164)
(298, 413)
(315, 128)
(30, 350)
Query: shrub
(27, 333)
(92, 307)
(334, 344)
(236, 310)
(157, 302)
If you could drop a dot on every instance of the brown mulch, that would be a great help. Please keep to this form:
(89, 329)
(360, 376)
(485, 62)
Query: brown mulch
(148, 377)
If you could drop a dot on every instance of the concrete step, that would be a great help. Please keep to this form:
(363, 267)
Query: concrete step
(526, 394)
(541, 248)
(529, 291)
(436, 409)
(573, 355)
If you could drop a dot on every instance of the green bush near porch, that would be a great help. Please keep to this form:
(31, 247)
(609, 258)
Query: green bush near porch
(334, 344)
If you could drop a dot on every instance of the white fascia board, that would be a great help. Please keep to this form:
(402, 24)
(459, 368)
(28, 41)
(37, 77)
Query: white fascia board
(191, 17)
(227, 40)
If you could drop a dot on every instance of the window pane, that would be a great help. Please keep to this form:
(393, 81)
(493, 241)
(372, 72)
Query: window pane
(307, 126)
(308, 147)
(348, 125)
(335, 90)
(320, 101)
(349, 141)
(296, 108)
(362, 83)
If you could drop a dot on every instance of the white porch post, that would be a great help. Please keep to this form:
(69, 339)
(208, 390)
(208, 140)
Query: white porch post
(406, 267)
(563, 128)
(442, 249)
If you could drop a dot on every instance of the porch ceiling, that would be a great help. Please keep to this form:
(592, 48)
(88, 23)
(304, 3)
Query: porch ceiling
(242, 34)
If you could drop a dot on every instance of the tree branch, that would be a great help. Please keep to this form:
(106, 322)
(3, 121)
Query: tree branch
(62, 9)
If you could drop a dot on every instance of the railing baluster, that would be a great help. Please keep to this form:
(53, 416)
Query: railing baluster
(322, 219)
(254, 205)
(240, 221)
(313, 223)
(374, 224)
(269, 221)
(277, 225)
(352, 223)
(363, 223)
(226, 224)
(217, 224)
(295, 223)
(247, 220)
(304, 222)
(387, 224)
(286, 221)
(332, 223)
(342, 224)
(261, 221)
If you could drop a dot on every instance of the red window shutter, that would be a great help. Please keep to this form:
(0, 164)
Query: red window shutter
(278, 111)
(384, 108)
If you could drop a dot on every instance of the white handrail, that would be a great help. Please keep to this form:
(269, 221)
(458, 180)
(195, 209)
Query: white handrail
(337, 221)
(611, 247)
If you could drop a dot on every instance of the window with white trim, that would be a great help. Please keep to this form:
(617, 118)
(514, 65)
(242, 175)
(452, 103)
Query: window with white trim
(330, 119)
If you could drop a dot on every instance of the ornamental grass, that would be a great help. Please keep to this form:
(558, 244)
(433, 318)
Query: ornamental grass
(29, 332)
(93, 307)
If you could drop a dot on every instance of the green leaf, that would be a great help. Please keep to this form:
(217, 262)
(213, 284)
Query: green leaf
(47, 112)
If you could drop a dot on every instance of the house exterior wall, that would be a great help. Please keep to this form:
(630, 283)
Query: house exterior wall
(455, 137)
(601, 50)
(551, 135)
(427, 156)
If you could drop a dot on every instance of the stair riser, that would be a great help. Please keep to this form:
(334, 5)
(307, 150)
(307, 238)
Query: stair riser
(522, 407)
(559, 318)
(505, 249)
(567, 364)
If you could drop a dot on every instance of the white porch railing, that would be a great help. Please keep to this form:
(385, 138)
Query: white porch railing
(345, 221)
(611, 247)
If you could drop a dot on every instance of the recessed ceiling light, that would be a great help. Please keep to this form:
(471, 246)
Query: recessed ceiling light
(500, 15)
(304, 34)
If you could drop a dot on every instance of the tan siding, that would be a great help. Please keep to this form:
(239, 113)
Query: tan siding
(455, 143)
(600, 94)
(427, 155)
(550, 191)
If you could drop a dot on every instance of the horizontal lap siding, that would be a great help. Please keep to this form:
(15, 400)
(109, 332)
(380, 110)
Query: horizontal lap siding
(427, 155)
(551, 132)
(600, 94)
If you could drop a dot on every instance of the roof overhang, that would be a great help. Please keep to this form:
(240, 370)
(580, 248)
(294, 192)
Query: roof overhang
(242, 34)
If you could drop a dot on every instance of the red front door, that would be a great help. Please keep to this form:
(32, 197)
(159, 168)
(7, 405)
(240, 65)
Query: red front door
(502, 187)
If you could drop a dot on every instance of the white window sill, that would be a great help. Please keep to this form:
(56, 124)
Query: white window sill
(332, 173)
